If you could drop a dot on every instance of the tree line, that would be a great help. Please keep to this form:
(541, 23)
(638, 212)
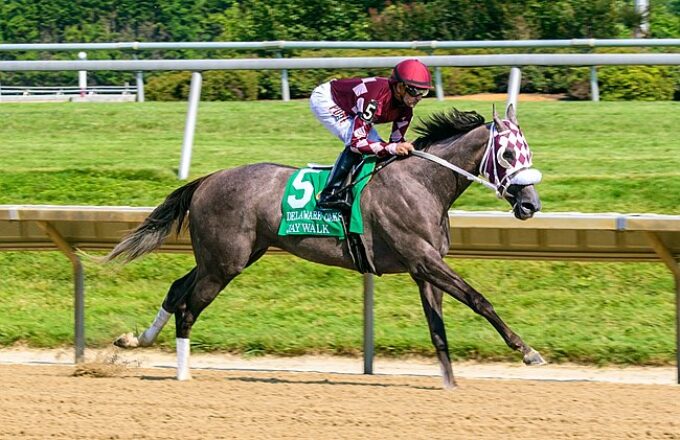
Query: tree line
(64, 21)
(89, 21)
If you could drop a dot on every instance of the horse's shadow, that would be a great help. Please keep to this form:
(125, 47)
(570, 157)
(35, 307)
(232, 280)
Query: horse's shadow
(275, 381)
(154, 378)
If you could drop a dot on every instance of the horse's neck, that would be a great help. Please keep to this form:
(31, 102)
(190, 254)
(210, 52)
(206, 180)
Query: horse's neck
(465, 152)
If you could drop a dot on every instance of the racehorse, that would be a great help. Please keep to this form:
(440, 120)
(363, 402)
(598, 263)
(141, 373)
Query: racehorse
(234, 216)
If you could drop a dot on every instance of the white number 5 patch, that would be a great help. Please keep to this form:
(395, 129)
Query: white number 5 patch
(369, 112)
(306, 187)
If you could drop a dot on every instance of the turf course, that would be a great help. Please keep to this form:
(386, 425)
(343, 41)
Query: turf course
(595, 157)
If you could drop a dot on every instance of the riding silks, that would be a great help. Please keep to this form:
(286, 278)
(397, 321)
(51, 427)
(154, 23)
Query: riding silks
(300, 216)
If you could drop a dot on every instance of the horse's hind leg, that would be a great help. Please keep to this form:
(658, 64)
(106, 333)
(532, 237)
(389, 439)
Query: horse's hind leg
(206, 290)
(178, 291)
(431, 299)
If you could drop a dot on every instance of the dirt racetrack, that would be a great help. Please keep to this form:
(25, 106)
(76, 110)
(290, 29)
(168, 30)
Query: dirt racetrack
(48, 401)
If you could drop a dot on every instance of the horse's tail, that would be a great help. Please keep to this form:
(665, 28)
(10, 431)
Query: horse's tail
(158, 225)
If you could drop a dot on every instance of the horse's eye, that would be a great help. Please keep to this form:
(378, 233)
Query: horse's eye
(508, 155)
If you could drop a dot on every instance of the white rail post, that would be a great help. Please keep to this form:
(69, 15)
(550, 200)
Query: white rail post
(368, 323)
(190, 127)
(285, 87)
(82, 76)
(594, 87)
(439, 88)
(514, 82)
(139, 76)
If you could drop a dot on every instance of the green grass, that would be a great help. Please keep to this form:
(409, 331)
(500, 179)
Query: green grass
(596, 157)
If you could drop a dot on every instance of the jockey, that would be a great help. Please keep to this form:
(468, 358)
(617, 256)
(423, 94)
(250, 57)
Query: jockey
(349, 108)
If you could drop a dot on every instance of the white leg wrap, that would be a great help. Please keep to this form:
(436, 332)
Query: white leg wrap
(183, 351)
(149, 336)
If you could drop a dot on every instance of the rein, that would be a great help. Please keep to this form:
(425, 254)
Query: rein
(449, 165)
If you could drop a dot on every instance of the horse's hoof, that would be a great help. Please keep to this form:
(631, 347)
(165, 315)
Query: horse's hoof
(450, 386)
(533, 358)
(126, 340)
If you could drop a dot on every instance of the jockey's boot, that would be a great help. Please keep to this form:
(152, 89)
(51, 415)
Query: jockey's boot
(332, 197)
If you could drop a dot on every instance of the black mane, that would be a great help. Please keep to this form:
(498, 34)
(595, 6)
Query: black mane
(444, 125)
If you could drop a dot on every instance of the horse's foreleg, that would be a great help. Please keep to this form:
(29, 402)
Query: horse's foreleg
(434, 270)
(179, 289)
(431, 298)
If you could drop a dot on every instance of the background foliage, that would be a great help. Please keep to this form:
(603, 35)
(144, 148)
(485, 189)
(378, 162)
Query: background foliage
(82, 21)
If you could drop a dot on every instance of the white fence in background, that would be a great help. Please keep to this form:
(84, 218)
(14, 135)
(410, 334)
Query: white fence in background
(278, 48)
(67, 93)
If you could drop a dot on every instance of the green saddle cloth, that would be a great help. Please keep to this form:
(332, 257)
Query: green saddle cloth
(300, 216)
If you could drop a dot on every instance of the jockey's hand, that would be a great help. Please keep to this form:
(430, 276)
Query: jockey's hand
(403, 149)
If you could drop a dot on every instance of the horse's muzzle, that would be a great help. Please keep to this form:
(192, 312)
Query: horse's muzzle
(524, 200)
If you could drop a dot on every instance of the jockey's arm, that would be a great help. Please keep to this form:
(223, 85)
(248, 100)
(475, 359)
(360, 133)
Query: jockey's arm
(399, 128)
(361, 144)
(398, 136)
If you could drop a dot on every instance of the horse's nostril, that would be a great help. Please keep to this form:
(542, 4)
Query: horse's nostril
(530, 207)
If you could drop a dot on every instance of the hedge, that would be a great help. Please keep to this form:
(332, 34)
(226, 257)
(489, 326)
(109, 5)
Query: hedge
(218, 85)
(615, 82)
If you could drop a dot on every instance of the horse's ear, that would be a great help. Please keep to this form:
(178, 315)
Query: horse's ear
(497, 120)
(511, 114)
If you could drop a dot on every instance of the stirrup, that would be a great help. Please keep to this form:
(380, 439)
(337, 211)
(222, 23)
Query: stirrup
(336, 200)
(339, 204)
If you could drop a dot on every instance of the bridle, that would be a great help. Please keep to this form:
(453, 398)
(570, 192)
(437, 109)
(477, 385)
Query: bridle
(449, 165)
(499, 169)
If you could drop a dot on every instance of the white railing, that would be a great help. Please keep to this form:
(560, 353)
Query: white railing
(277, 47)
(66, 90)
(346, 62)
(67, 93)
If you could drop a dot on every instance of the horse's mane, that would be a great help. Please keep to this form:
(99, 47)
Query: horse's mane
(444, 125)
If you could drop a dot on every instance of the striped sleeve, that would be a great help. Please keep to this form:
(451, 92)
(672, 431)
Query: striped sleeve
(399, 128)
(361, 144)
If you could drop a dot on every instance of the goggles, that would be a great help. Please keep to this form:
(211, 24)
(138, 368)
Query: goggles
(416, 92)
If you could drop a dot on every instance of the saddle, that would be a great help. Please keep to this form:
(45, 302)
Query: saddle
(300, 215)
(355, 244)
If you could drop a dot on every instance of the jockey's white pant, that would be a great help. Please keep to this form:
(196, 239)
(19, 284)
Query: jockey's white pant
(335, 119)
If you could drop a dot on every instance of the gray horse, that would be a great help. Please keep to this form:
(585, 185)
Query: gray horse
(234, 217)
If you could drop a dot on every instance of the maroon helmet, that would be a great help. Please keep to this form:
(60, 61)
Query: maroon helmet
(413, 73)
